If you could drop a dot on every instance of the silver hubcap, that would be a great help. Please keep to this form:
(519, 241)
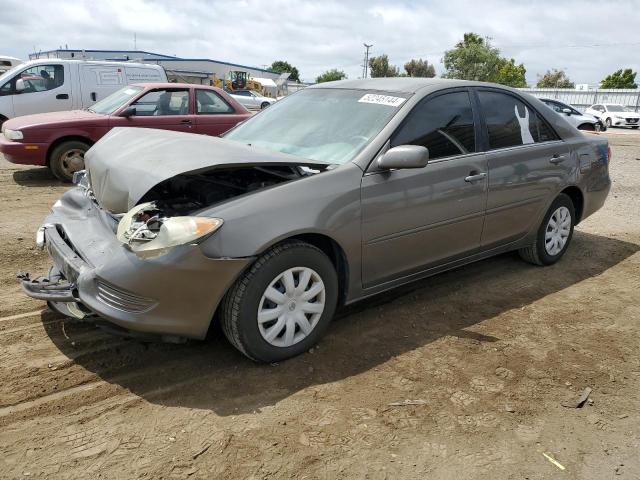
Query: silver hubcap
(72, 161)
(558, 229)
(291, 306)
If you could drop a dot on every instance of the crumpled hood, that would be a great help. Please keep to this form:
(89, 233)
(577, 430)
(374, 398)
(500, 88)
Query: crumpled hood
(128, 162)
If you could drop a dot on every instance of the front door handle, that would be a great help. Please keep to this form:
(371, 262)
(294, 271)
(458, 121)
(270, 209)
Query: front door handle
(556, 159)
(62, 96)
(185, 122)
(474, 177)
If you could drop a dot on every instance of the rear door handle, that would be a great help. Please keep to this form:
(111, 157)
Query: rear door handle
(556, 159)
(185, 122)
(62, 96)
(474, 177)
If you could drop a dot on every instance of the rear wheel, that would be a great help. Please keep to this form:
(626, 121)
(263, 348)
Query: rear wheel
(67, 158)
(554, 234)
(281, 306)
(635, 128)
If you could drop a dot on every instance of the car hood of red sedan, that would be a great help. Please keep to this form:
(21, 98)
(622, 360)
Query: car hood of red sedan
(55, 119)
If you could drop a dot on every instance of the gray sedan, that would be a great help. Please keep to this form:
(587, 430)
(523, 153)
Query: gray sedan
(336, 193)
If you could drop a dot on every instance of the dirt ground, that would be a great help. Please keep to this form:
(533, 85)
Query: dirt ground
(491, 350)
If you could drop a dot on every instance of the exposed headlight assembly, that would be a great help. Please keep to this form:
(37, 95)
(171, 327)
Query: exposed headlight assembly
(12, 134)
(145, 231)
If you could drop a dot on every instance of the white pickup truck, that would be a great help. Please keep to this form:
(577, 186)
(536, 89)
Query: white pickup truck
(51, 85)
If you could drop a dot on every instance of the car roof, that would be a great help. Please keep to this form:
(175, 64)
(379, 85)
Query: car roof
(403, 84)
(171, 85)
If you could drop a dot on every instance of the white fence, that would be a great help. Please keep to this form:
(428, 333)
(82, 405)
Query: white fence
(585, 98)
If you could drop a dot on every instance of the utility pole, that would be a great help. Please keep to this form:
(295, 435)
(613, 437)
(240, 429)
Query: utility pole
(135, 41)
(365, 67)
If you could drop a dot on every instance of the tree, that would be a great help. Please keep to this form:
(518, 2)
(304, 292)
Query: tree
(419, 68)
(281, 66)
(474, 58)
(379, 67)
(620, 79)
(511, 74)
(331, 76)
(555, 79)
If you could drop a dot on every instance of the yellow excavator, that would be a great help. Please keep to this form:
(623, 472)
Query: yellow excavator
(238, 80)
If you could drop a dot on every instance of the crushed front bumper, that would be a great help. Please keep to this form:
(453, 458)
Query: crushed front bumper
(174, 294)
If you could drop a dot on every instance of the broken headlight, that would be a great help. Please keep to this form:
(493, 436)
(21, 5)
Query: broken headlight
(148, 233)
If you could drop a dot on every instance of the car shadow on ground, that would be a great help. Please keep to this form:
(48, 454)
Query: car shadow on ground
(212, 375)
(36, 177)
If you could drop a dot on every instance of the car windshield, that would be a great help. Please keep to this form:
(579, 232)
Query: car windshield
(256, 93)
(113, 102)
(618, 108)
(9, 73)
(330, 125)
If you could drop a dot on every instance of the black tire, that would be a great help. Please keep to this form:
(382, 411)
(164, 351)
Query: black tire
(58, 161)
(635, 128)
(264, 105)
(608, 123)
(537, 253)
(2, 120)
(240, 306)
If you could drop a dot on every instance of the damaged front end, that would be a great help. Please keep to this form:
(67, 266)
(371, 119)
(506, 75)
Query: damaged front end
(126, 242)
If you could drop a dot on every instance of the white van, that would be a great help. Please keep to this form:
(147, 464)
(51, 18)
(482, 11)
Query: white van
(51, 85)
(7, 63)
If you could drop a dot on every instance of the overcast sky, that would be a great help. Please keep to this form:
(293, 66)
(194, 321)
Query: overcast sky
(589, 39)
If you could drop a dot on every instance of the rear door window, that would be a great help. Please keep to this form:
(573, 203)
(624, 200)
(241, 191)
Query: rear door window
(510, 122)
(443, 124)
(163, 102)
(208, 102)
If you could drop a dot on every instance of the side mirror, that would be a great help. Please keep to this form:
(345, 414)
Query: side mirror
(404, 156)
(20, 86)
(128, 112)
(566, 111)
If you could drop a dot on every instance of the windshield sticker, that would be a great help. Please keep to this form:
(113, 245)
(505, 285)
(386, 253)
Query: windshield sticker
(382, 100)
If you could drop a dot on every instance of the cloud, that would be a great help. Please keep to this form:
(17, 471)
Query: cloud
(316, 36)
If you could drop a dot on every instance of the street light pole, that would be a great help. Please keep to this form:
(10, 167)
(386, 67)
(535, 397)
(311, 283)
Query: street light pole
(365, 67)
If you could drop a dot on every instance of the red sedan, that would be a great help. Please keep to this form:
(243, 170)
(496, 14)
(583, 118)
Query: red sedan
(60, 139)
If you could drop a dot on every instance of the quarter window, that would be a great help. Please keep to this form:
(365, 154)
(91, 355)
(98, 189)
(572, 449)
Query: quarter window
(511, 123)
(443, 124)
(163, 102)
(208, 102)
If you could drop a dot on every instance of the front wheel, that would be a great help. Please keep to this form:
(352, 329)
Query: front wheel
(554, 234)
(281, 306)
(608, 123)
(635, 128)
(264, 105)
(67, 158)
